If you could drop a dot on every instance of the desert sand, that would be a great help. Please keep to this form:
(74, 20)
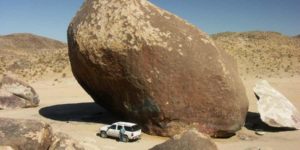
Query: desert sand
(69, 109)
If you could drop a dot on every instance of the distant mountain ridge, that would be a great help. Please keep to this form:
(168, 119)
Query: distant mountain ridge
(31, 56)
(261, 54)
(29, 42)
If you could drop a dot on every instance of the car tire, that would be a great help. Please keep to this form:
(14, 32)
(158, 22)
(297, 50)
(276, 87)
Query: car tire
(103, 134)
(125, 138)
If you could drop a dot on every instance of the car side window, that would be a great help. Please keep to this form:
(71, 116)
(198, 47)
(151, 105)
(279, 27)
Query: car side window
(128, 128)
(113, 127)
(119, 127)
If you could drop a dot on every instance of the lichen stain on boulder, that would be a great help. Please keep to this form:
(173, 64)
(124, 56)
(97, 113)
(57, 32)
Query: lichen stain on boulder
(152, 67)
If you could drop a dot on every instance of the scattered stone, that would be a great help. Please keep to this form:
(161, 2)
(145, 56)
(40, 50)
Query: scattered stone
(10, 101)
(245, 137)
(22, 134)
(258, 148)
(260, 132)
(16, 94)
(190, 140)
(274, 108)
(253, 148)
(152, 67)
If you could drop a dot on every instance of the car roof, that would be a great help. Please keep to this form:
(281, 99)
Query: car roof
(125, 123)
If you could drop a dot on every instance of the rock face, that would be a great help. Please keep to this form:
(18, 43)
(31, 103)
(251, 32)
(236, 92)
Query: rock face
(20, 134)
(274, 108)
(25, 134)
(64, 142)
(16, 94)
(190, 140)
(151, 67)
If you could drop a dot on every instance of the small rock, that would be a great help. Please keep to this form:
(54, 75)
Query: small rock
(274, 108)
(258, 148)
(190, 140)
(15, 93)
(253, 148)
(10, 101)
(245, 137)
(260, 132)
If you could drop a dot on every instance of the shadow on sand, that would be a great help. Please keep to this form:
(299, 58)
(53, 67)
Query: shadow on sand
(253, 122)
(80, 112)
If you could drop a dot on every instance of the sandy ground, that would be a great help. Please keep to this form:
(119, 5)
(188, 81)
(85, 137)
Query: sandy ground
(68, 109)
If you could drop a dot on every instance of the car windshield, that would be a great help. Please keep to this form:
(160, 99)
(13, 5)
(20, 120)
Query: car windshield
(113, 127)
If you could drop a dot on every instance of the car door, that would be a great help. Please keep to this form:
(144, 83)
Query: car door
(119, 128)
(112, 131)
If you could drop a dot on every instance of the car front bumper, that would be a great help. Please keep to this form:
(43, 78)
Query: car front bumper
(135, 137)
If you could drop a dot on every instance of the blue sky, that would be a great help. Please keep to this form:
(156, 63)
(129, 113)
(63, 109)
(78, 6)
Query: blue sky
(50, 18)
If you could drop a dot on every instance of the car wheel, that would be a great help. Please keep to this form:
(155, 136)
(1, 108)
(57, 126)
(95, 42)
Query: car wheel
(103, 134)
(125, 138)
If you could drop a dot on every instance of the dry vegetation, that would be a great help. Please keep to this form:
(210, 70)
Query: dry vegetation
(32, 57)
(262, 54)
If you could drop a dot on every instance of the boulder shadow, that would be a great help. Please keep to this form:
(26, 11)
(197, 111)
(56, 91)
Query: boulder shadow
(79, 112)
(253, 122)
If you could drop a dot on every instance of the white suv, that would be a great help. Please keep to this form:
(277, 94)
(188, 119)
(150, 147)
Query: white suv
(132, 131)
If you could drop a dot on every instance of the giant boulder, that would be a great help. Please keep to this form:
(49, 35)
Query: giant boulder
(152, 67)
(274, 108)
(15, 93)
